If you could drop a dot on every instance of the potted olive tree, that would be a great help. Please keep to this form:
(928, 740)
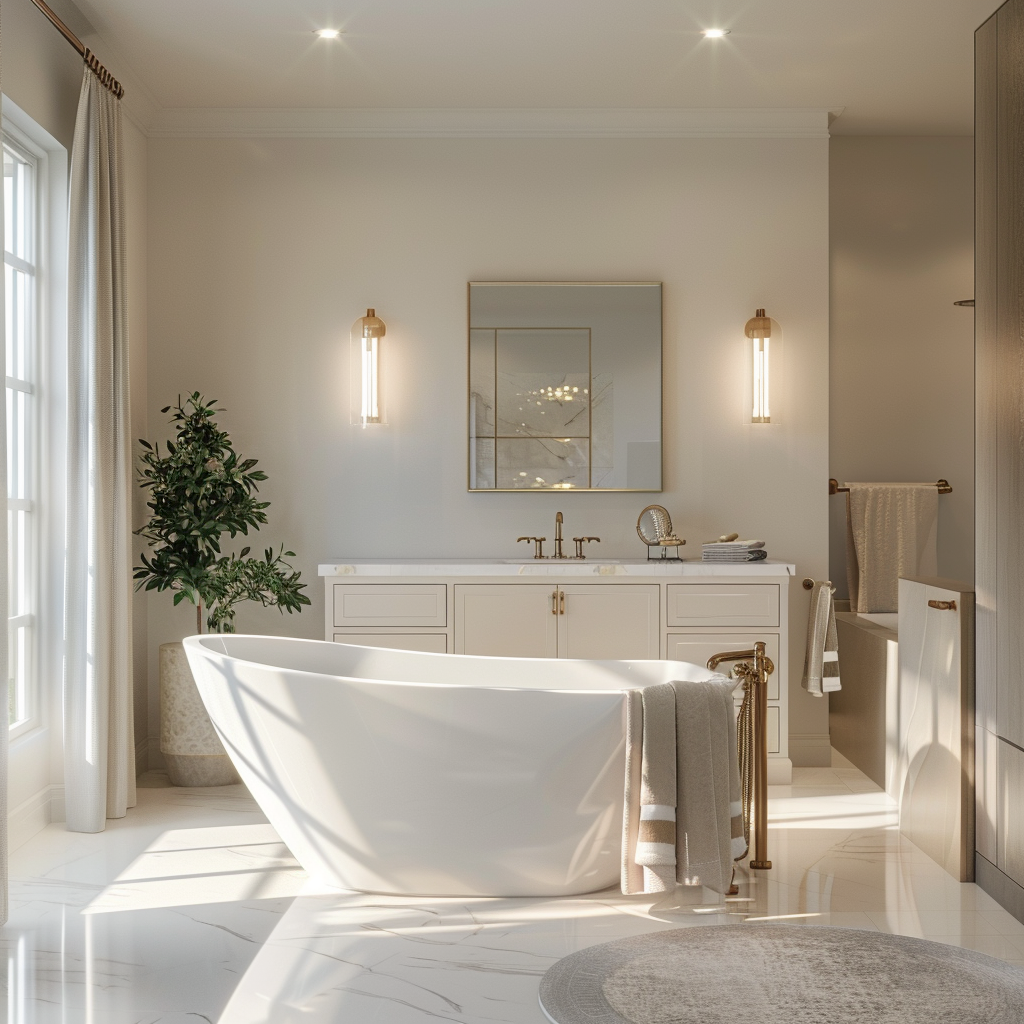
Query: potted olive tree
(198, 492)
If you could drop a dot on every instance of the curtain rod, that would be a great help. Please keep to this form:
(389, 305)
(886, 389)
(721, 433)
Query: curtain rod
(90, 58)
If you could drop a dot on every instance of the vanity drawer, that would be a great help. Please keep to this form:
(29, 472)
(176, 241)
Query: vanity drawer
(723, 604)
(377, 604)
(696, 648)
(427, 643)
(773, 730)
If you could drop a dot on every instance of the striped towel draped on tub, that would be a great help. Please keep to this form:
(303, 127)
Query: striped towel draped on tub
(682, 817)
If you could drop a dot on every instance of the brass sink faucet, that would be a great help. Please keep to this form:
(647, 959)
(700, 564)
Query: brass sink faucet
(538, 543)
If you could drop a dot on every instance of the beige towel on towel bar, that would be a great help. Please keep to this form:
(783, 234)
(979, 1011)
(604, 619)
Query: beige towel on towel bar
(890, 532)
(681, 735)
(821, 660)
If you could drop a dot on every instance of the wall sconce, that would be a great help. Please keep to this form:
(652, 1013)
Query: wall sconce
(367, 405)
(759, 330)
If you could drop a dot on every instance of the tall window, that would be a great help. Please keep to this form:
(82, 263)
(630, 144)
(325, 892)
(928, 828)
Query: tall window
(21, 223)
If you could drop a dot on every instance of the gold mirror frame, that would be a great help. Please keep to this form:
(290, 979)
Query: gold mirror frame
(665, 539)
(662, 525)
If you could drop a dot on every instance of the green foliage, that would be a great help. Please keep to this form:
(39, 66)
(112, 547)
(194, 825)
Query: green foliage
(199, 491)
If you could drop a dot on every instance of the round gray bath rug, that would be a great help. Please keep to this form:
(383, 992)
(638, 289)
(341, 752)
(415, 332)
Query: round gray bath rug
(780, 974)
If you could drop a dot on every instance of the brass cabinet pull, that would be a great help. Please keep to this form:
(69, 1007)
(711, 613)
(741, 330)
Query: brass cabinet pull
(943, 606)
(561, 602)
(554, 602)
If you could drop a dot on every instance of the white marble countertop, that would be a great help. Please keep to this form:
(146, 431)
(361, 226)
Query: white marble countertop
(551, 567)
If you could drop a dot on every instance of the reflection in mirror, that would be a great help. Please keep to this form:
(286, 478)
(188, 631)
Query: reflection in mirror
(564, 386)
(654, 524)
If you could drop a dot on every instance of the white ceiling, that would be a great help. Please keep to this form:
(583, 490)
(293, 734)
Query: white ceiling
(891, 66)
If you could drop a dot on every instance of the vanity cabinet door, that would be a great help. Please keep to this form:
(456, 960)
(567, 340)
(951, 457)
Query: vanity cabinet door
(696, 648)
(506, 621)
(609, 621)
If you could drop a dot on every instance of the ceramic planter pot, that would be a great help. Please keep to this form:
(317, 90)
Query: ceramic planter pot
(192, 750)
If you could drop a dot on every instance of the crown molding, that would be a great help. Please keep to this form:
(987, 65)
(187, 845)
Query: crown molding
(650, 123)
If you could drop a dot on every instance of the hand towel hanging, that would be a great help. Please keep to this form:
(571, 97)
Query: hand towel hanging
(821, 660)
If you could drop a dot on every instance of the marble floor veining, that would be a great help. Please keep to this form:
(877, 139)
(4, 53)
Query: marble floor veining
(191, 909)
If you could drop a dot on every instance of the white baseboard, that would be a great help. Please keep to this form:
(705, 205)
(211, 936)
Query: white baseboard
(780, 771)
(34, 814)
(810, 749)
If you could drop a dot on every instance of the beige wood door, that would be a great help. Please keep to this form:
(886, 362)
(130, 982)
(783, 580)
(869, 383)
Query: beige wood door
(506, 620)
(609, 621)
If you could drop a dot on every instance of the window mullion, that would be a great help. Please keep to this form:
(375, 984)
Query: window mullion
(22, 222)
(19, 264)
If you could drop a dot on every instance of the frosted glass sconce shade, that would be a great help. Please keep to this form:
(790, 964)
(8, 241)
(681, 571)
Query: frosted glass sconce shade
(759, 331)
(367, 403)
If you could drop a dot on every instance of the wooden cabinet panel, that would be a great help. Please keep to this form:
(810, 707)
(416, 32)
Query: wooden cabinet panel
(609, 621)
(774, 729)
(986, 794)
(696, 648)
(985, 372)
(1009, 372)
(935, 748)
(428, 643)
(723, 604)
(506, 621)
(1010, 823)
(376, 604)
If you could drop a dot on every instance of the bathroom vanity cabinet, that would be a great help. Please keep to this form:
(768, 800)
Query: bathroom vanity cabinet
(565, 620)
(684, 611)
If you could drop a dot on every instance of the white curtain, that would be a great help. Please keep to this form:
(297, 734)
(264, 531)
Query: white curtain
(99, 746)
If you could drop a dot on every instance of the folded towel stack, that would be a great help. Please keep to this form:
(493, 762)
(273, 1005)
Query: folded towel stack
(734, 551)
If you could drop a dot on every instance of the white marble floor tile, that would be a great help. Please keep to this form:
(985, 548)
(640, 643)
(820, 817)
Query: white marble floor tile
(190, 908)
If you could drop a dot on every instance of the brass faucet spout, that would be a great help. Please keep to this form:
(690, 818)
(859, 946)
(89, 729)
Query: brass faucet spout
(558, 536)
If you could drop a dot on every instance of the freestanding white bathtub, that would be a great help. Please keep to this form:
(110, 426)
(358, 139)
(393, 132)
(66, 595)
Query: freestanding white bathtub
(432, 774)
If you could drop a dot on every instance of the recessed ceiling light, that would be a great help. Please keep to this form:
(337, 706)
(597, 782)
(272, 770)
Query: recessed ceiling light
(328, 33)
(715, 33)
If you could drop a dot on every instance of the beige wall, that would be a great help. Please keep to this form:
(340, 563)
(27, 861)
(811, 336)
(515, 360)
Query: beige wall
(263, 251)
(902, 367)
(41, 72)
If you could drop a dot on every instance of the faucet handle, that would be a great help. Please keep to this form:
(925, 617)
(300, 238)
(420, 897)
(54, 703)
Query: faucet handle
(580, 541)
(538, 542)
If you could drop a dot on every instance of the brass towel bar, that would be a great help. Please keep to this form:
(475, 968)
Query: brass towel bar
(834, 488)
(808, 584)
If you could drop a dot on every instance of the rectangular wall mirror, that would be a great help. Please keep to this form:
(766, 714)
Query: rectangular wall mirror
(564, 386)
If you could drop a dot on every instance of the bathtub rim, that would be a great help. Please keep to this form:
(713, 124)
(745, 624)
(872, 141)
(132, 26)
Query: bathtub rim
(196, 640)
